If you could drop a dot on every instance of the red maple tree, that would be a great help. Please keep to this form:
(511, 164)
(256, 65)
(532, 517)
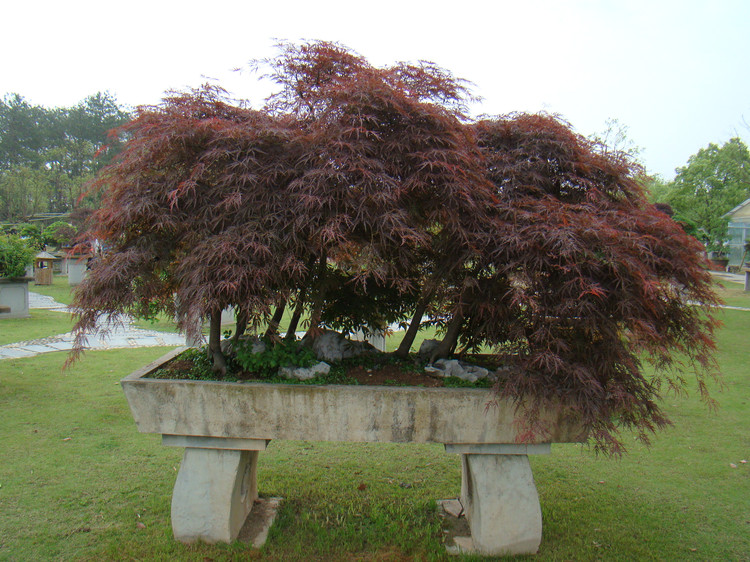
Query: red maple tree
(365, 196)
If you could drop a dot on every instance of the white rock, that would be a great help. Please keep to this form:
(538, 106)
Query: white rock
(305, 373)
(456, 368)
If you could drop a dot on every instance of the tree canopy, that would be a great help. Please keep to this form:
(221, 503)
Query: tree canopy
(365, 196)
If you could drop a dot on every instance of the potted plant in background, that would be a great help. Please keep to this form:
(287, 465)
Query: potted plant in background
(363, 197)
(15, 257)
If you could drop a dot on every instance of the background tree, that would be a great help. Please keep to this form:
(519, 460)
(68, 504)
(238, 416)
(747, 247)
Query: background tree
(25, 133)
(715, 180)
(24, 192)
(615, 139)
(48, 155)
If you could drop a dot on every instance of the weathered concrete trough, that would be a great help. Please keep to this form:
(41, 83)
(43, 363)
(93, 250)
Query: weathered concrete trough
(224, 426)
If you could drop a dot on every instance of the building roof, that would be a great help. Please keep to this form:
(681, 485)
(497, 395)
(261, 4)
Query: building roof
(739, 207)
(46, 256)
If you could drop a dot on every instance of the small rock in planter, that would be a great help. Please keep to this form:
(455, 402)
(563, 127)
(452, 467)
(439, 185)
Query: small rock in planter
(305, 373)
(256, 344)
(456, 368)
(427, 347)
(332, 346)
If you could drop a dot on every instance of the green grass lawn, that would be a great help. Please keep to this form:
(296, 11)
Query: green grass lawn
(41, 324)
(734, 294)
(60, 290)
(78, 482)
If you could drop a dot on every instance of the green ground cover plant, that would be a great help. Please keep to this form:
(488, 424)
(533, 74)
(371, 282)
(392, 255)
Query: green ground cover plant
(78, 482)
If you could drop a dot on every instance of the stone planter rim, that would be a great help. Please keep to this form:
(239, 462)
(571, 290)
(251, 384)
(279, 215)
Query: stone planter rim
(24, 279)
(359, 413)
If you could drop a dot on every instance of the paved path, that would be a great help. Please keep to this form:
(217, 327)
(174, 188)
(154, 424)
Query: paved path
(48, 303)
(733, 277)
(124, 336)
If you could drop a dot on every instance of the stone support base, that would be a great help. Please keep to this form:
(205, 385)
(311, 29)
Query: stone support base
(215, 488)
(217, 485)
(499, 498)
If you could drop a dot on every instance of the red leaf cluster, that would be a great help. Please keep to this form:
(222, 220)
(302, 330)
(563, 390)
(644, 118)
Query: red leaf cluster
(365, 196)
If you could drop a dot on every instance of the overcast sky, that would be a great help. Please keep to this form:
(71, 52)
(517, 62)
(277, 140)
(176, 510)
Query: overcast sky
(675, 73)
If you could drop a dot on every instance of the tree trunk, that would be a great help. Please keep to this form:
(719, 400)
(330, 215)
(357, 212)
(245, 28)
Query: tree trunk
(317, 306)
(241, 326)
(296, 315)
(413, 330)
(214, 344)
(278, 314)
(300, 305)
(446, 347)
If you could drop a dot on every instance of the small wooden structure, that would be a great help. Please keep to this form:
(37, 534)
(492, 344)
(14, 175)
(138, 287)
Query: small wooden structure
(43, 270)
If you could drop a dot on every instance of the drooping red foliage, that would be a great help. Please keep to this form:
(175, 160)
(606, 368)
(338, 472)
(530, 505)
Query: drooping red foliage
(587, 279)
(365, 196)
(191, 215)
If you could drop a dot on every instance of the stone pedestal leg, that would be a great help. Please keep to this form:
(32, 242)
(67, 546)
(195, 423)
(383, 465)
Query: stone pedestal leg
(214, 493)
(501, 503)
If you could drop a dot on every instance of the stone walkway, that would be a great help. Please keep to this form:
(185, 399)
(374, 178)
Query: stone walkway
(47, 303)
(124, 336)
(733, 277)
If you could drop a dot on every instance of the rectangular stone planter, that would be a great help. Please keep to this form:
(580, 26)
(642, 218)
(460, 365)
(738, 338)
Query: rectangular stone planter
(14, 297)
(77, 269)
(223, 426)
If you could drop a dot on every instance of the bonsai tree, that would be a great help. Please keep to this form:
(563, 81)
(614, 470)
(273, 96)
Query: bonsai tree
(344, 176)
(31, 233)
(364, 196)
(59, 234)
(15, 256)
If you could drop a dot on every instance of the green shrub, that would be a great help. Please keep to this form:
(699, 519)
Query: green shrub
(15, 256)
(267, 363)
(59, 233)
(32, 234)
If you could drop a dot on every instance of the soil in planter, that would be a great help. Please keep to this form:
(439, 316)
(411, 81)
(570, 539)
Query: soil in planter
(375, 370)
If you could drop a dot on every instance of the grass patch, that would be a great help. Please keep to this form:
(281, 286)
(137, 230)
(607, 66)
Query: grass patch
(733, 294)
(41, 324)
(60, 290)
(162, 323)
(77, 480)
